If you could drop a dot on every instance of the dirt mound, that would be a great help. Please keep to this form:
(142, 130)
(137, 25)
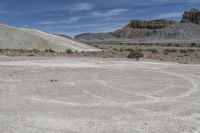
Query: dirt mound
(16, 38)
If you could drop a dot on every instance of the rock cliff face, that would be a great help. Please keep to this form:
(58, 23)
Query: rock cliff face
(135, 29)
(141, 28)
(153, 24)
(191, 16)
(93, 37)
(153, 30)
(131, 33)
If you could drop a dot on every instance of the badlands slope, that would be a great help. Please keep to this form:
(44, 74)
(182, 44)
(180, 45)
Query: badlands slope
(21, 38)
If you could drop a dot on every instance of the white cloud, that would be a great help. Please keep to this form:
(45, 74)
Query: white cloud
(26, 25)
(89, 27)
(68, 21)
(82, 7)
(75, 7)
(110, 13)
(194, 1)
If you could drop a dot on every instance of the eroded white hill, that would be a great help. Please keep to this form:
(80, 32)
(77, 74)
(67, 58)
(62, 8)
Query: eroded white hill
(22, 38)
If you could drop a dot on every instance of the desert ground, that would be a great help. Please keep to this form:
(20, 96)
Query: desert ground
(96, 95)
(187, 53)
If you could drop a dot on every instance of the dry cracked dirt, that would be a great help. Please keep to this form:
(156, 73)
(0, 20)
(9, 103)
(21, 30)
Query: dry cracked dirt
(94, 95)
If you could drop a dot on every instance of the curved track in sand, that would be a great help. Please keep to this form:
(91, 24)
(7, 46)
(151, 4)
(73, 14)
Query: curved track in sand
(90, 95)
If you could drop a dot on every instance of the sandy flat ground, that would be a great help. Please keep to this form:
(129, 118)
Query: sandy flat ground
(87, 95)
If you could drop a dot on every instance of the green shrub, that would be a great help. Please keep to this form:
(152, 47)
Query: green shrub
(166, 51)
(96, 46)
(139, 49)
(187, 50)
(169, 44)
(183, 51)
(50, 51)
(153, 50)
(193, 45)
(69, 51)
(121, 50)
(177, 45)
(191, 50)
(128, 49)
(136, 54)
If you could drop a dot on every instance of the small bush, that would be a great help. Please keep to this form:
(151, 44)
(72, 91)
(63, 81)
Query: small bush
(166, 51)
(121, 50)
(49, 51)
(177, 45)
(153, 50)
(169, 44)
(96, 46)
(69, 51)
(53, 80)
(115, 49)
(183, 51)
(187, 50)
(139, 49)
(136, 54)
(193, 45)
(36, 50)
(191, 50)
(128, 49)
(31, 55)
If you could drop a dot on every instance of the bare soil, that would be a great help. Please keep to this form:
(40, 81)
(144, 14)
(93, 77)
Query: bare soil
(96, 95)
(185, 54)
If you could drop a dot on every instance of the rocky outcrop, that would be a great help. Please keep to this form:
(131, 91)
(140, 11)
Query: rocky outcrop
(191, 16)
(154, 30)
(131, 33)
(135, 29)
(152, 24)
(178, 32)
(142, 28)
(93, 37)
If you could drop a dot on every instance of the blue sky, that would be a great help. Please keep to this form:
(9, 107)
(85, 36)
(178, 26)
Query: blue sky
(77, 16)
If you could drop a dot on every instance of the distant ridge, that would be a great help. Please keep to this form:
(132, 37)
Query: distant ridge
(188, 29)
(192, 16)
